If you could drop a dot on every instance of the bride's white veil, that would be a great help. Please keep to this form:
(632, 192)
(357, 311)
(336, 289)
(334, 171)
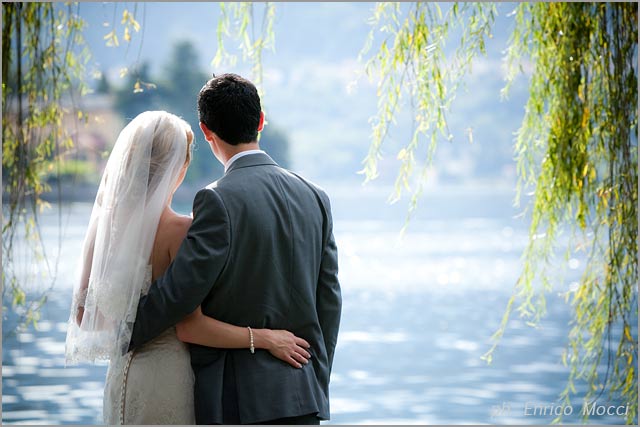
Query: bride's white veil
(141, 174)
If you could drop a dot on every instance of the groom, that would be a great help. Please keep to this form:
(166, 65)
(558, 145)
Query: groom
(260, 253)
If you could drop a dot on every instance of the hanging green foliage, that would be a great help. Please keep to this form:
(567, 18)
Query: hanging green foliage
(238, 21)
(43, 61)
(44, 64)
(411, 62)
(577, 151)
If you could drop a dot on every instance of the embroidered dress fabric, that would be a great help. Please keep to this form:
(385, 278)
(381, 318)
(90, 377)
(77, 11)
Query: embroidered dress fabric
(152, 385)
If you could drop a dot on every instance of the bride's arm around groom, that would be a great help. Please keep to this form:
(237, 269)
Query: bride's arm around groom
(189, 278)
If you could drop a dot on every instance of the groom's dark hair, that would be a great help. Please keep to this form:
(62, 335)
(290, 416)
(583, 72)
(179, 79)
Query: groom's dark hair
(229, 105)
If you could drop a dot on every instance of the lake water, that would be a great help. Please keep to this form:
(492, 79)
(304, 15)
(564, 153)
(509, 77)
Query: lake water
(418, 314)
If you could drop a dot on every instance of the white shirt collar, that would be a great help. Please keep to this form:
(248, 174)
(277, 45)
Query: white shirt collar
(238, 155)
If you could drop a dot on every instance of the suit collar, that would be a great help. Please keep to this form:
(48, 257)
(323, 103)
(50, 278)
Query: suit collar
(250, 160)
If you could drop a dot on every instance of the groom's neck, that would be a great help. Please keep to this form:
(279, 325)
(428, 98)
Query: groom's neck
(229, 150)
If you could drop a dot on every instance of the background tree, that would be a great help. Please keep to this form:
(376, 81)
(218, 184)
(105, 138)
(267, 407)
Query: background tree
(104, 85)
(276, 143)
(130, 101)
(178, 90)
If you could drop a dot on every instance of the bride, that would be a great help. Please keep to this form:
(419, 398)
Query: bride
(132, 238)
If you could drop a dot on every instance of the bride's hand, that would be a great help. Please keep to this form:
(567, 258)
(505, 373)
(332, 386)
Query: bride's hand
(284, 345)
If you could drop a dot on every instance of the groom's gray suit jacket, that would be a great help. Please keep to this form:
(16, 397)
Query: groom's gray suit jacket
(260, 253)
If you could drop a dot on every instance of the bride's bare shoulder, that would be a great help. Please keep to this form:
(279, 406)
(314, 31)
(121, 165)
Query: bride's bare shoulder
(172, 229)
(182, 223)
(174, 225)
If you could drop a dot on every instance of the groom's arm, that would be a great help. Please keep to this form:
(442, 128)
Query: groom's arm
(328, 295)
(191, 275)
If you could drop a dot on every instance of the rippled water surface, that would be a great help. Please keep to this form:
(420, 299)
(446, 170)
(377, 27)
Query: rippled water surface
(418, 315)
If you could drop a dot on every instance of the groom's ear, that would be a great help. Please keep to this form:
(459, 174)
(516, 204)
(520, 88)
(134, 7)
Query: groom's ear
(206, 132)
(261, 122)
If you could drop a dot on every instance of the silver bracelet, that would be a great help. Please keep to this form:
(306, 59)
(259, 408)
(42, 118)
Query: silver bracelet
(251, 347)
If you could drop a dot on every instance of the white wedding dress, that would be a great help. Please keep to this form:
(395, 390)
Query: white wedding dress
(151, 385)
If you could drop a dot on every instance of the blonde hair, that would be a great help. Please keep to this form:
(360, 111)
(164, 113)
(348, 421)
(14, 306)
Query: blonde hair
(190, 138)
(169, 131)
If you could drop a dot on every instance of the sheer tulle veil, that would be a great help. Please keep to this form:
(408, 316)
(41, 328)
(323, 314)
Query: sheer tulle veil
(141, 174)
